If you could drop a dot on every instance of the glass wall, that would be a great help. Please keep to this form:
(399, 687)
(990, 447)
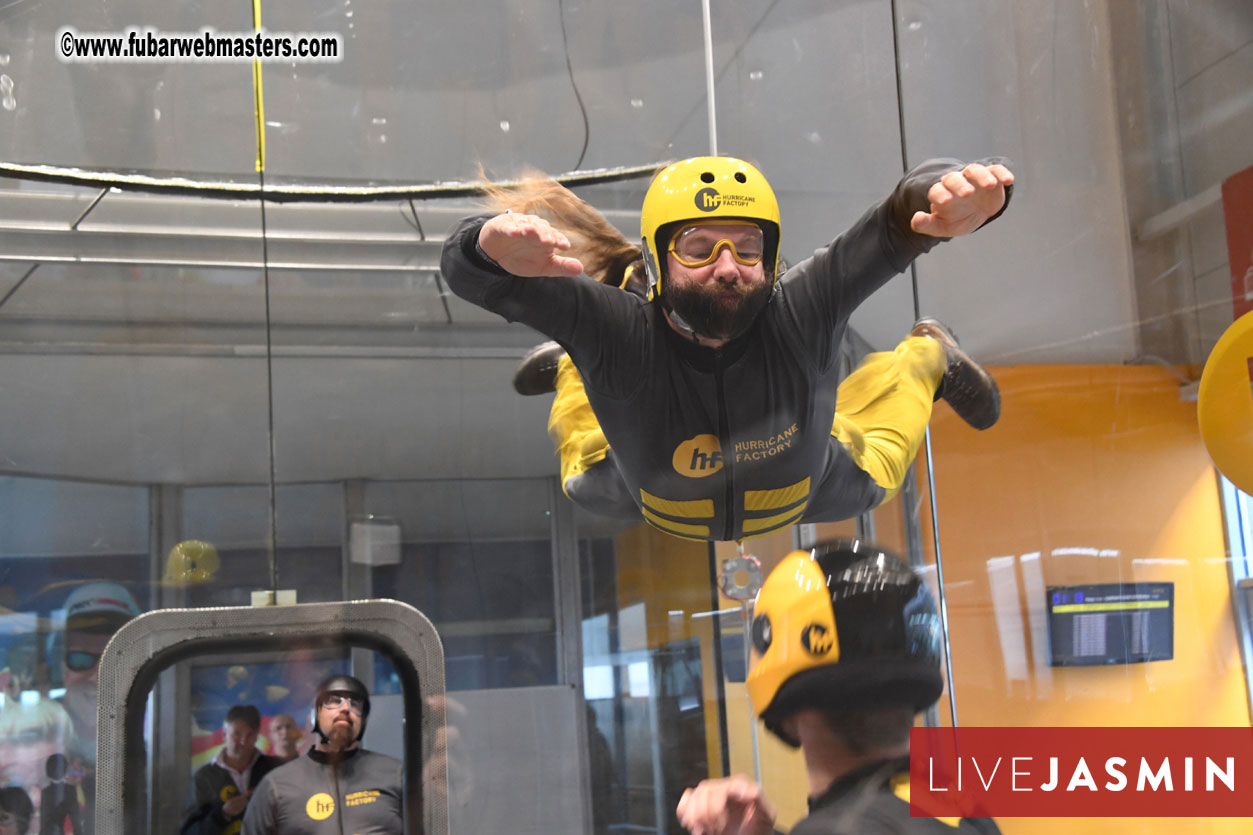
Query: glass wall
(232, 374)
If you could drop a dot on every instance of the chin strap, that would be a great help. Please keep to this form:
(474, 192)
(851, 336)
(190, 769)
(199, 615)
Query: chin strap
(680, 323)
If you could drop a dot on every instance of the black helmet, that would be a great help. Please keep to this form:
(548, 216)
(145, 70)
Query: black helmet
(343, 685)
(846, 626)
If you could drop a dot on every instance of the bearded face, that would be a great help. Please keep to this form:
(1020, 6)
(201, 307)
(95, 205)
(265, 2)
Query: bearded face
(341, 722)
(340, 737)
(717, 309)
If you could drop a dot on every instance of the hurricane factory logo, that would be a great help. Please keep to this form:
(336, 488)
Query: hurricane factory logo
(320, 806)
(816, 639)
(227, 792)
(699, 457)
(708, 199)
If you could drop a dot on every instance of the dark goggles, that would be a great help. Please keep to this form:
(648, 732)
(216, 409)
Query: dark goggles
(80, 661)
(698, 244)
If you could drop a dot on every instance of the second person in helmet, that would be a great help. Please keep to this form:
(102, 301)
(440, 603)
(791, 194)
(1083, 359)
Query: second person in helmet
(845, 652)
(704, 401)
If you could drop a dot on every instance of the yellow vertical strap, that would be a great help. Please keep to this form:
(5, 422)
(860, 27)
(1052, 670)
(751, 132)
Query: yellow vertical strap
(258, 104)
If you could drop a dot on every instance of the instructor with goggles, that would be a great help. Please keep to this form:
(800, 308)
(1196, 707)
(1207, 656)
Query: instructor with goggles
(706, 399)
(338, 787)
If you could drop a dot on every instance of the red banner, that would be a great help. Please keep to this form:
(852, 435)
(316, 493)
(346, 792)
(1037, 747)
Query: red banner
(1238, 211)
(1081, 772)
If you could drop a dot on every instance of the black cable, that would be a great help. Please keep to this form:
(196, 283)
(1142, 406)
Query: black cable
(269, 391)
(935, 512)
(900, 121)
(19, 283)
(565, 43)
(417, 222)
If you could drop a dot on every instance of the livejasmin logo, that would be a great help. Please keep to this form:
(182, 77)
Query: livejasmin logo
(1020, 774)
(1081, 772)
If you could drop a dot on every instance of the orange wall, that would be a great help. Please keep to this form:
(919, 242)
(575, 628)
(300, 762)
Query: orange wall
(1103, 458)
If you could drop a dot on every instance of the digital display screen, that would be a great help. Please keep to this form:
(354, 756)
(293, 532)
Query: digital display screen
(1113, 623)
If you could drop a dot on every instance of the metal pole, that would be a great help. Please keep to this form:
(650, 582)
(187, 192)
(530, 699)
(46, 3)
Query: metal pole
(746, 626)
(939, 576)
(709, 79)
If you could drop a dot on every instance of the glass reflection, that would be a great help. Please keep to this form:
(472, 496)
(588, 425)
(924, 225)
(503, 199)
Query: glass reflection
(239, 728)
(136, 382)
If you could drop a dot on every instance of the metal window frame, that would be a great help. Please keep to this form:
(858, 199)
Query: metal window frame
(155, 641)
(1237, 508)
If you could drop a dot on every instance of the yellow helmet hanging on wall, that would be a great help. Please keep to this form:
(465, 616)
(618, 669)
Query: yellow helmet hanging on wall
(705, 188)
(844, 627)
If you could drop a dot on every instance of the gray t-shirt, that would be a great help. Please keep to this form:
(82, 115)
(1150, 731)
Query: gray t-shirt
(309, 796)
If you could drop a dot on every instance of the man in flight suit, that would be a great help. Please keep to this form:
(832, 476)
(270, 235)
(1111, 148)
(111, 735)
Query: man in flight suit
(337, 788)
(707, 405)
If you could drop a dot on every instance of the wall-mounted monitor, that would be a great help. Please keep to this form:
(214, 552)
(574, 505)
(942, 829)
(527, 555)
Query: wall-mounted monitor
(1111, 623)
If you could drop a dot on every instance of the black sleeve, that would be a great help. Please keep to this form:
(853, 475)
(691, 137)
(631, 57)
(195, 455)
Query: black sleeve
(601, 327)
(824, 290)
(203, 813)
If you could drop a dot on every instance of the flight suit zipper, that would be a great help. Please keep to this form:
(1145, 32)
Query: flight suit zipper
(724, 441)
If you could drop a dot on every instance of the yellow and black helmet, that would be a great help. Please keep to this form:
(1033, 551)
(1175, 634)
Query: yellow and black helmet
(705, 188)
(845, 626)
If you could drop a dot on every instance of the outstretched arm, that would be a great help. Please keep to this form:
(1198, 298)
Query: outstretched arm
(726, 806)
(962, 201)
(527, 246)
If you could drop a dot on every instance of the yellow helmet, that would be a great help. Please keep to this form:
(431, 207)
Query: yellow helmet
(845, 626)
(190, 563)
(705, 188)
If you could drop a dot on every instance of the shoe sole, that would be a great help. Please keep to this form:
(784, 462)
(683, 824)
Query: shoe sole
(537, 372)
(964, 374)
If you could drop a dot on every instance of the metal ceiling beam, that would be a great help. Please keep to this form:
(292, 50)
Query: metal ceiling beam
(325, 252)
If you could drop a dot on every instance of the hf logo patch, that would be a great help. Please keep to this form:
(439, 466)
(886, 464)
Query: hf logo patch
(227, 792)
(816, 639)
(320, 806)
(699, 457)
(708, 199)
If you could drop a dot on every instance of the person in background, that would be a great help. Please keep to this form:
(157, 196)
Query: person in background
(285, 736)
(221, 789)
(15, 811)
(60, 809)
(93, 612)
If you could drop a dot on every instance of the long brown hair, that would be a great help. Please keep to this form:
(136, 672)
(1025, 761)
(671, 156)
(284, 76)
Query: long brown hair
(605, 252)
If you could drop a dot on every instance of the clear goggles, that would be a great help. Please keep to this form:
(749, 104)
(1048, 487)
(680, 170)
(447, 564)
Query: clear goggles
(698, 244)
(335, 701)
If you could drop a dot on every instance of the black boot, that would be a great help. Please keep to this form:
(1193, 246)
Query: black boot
(537, 372)
(969, 389)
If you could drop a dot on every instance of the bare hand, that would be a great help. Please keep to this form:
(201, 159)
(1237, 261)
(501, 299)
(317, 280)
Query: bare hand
(236, 805)
(726, 806)
(450, 771)
(962, 201)
(526, 245)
